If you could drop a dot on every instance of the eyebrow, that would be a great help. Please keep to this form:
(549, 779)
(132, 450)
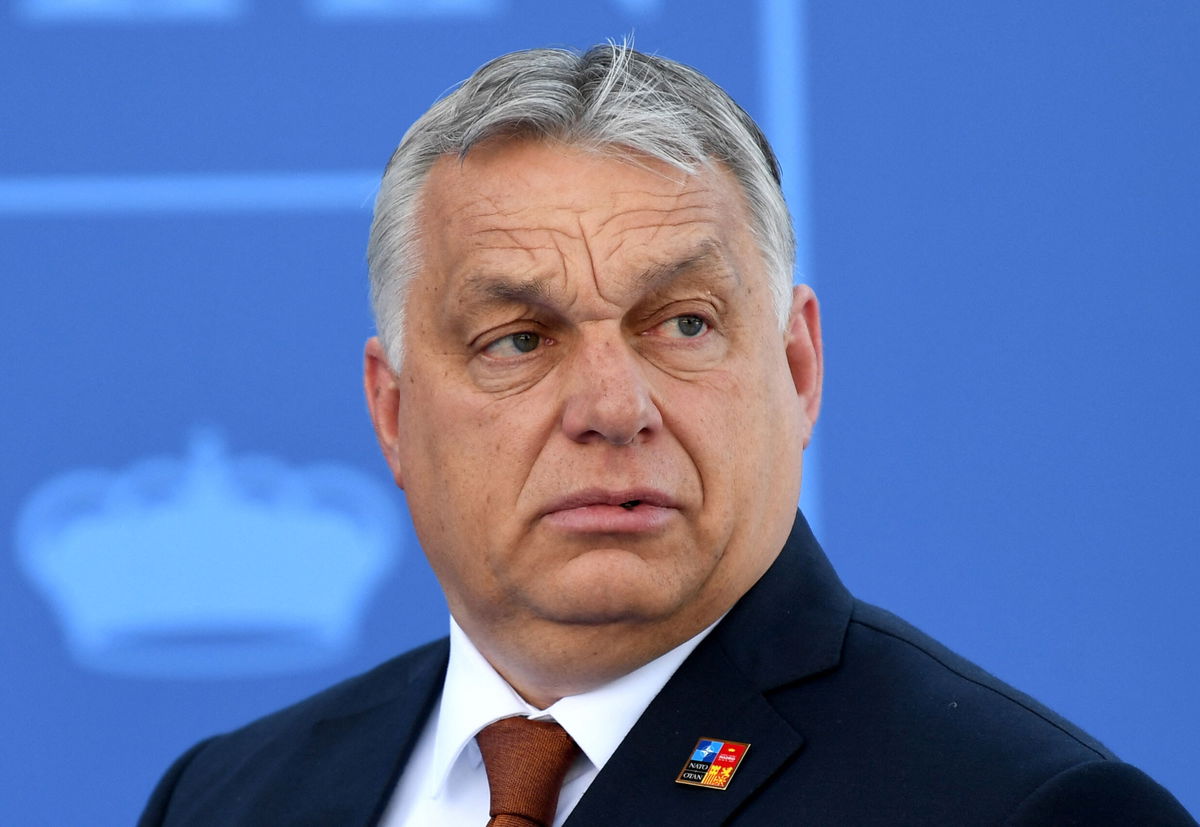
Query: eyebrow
(492, 289)
(706, 254)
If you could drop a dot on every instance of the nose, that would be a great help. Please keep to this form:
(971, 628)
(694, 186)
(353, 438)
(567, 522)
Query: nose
(608, 397)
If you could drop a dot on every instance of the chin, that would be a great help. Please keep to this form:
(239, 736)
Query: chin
(610, 586)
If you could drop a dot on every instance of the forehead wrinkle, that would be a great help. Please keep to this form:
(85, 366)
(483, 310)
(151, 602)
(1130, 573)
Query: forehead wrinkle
(697, 188)
(473, 221)
(680, 205)
(480, 206)
(591, 258)
(484, 243)
(656, 223)
(651, 223)
(557, 234)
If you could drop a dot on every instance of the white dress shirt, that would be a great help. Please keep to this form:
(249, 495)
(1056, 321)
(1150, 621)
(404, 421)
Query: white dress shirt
(444, 782)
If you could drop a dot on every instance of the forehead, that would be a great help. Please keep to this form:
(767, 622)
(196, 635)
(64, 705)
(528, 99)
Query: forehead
(547, 206)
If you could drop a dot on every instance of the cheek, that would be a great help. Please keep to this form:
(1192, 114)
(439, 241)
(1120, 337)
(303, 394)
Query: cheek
(707, 419)
(480, 449)
(722, 402)
(734, 424)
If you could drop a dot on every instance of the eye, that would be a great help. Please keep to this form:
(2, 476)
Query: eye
(514, 344)
(684, 327)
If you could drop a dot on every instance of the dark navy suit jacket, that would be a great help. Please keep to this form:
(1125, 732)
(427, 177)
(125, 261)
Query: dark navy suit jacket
(853, 717)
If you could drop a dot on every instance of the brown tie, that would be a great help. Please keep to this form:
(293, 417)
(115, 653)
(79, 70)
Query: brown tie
(525, 762)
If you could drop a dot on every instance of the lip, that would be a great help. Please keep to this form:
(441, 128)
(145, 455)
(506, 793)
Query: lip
(599, 510)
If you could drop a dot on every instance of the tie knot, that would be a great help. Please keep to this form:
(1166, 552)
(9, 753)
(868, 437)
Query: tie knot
(525, 762)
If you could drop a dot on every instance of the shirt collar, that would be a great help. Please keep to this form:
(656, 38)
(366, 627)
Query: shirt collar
(474, 695)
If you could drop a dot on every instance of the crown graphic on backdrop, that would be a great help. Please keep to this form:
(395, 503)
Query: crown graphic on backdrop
(209, 565)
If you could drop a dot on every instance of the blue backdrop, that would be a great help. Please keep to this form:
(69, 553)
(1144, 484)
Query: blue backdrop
(998, 204)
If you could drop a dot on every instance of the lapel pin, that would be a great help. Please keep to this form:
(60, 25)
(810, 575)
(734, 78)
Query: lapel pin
(712, 763)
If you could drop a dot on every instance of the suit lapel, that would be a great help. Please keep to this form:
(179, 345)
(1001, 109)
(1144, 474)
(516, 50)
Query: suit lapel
(347, 769)
(707, 698)
(788, 627)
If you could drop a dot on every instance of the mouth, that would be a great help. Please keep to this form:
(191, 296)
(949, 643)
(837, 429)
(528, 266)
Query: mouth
(605, 511)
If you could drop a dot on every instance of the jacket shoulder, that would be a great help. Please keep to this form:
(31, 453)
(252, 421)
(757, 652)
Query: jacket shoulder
(932, 666)
(382, 684)
(1100, 793)
(903, 730)
(218, 777)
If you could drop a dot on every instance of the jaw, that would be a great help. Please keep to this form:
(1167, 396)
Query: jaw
(601, 614)
(545, 661)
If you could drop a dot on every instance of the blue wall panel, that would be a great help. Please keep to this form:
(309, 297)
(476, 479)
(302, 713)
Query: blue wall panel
(1002, 202)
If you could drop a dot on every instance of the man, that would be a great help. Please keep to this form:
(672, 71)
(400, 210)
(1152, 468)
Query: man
(594, 381)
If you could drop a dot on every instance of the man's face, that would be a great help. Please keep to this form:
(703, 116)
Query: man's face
(598, 419)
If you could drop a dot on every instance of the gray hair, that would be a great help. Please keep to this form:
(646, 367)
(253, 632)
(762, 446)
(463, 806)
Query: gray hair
(610, 98)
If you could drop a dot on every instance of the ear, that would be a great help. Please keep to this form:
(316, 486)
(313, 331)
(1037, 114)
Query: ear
(382, 387)
(804, 353)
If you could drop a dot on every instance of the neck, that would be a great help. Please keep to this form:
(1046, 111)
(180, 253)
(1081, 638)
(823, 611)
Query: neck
(545, 662)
